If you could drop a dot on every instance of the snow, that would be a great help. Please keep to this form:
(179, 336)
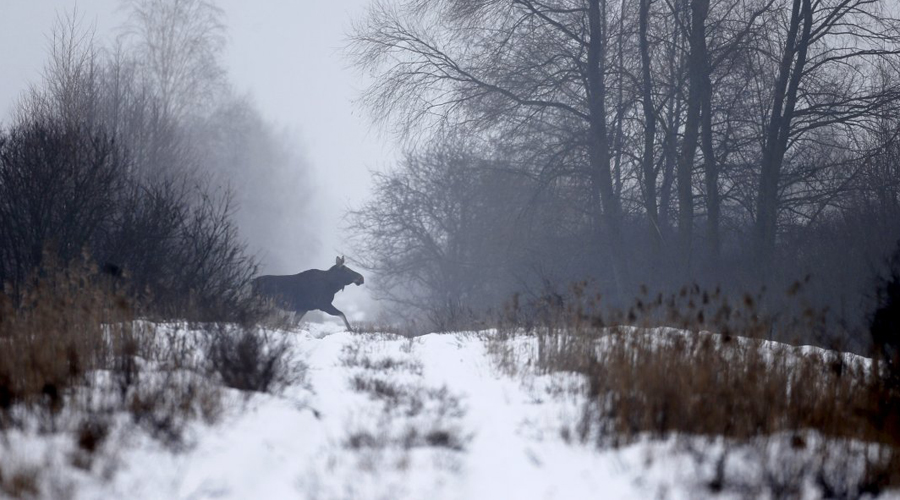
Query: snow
(380, 416)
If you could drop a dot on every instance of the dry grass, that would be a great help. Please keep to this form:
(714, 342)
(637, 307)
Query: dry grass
(250, 359)
(72, 322)
(359, 355)
(647, 379)
(663, 382)
(73, 354)
(412, 414)
(20, 483)
(65, 324)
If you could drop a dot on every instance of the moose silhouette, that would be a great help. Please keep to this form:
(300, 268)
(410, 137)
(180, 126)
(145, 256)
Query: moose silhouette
(310, 290)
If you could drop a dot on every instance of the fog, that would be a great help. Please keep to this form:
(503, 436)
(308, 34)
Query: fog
(662, 166)
(286, 57)
(576, 232)
(646, 148)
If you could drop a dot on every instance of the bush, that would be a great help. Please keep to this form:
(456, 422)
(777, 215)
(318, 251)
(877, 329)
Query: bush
(57, 187)
(884, 325)
(250, 359)
(69, 188)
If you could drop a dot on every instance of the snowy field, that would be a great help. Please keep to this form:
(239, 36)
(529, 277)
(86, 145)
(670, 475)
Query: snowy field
(379, 416)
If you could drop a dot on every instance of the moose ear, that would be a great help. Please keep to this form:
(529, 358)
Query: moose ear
(339, 261)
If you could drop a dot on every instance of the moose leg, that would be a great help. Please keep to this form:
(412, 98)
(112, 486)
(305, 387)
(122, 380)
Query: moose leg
(334, 312)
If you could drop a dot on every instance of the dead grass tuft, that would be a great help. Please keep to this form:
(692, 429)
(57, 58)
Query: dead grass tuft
(357, 355)
(412, 415)
(20, 483)
(251, 359)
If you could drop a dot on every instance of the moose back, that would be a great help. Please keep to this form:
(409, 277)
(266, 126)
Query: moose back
(310, 290)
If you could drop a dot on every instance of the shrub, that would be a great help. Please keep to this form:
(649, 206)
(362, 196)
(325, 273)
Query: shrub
(68, 186)
(250, 359)
(884, 325)
(57, 185)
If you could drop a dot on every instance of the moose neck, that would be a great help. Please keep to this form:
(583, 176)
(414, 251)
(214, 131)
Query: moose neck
(338, 279)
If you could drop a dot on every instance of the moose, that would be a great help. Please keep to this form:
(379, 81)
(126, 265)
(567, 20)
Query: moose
(309, 290)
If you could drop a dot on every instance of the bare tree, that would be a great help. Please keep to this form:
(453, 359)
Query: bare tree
(426, 235)
(539, 63)
(69, 185)
(812, 89)
(748, 117)
(177, 45)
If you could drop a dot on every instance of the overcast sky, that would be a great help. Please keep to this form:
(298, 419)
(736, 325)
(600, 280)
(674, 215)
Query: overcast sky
(287, 54)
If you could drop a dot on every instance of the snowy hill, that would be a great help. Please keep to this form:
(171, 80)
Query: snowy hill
(385, 417)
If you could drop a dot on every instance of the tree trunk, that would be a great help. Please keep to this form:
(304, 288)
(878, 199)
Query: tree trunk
(647, 164)
(784, 100)
(691, 133)
(605, 205)
(700, 9)
(670, 159)
(673, 118)
(621, 107)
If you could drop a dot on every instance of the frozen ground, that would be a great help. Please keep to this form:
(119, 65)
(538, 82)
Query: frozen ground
(384, 417)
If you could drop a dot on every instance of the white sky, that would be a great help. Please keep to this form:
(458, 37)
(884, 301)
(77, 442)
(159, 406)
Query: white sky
(287, 54)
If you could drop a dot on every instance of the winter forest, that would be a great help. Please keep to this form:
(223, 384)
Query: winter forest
(731, 144)
(585, 248)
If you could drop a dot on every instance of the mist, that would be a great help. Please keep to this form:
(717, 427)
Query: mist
(494, 181)
(610, 145)
(550, 248)
(284, 136)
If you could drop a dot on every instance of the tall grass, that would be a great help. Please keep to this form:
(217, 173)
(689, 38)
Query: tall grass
(73, 346)
(68, 321)
(657, 369)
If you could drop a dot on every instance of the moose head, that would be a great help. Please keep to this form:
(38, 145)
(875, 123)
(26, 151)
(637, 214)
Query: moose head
(344, 274)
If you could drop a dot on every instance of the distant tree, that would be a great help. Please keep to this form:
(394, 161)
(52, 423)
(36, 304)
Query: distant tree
(516, 70)
(442, 232)
(177, 46)
(827, 78)
(186, 119)
(69, 185)
(267, 174)
(755, 130)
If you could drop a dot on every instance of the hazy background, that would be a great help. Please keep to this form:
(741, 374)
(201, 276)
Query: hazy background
(496, 196)
(287, 56)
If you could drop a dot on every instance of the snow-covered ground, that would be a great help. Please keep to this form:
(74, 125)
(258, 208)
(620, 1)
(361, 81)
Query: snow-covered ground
(379, 416)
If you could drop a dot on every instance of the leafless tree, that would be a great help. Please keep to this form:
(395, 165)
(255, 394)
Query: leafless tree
(830, 52)
(755, 120)
(69, 184)
(535, 63)
(177, 46)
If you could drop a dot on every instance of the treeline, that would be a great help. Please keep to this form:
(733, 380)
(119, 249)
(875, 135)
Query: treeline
(733, 143)
(140, 156)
